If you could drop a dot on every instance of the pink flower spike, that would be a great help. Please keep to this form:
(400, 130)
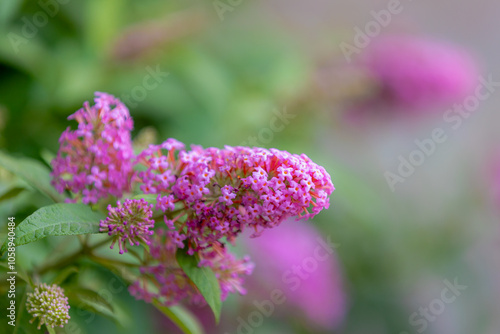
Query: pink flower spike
(95, 160)
(240, 186)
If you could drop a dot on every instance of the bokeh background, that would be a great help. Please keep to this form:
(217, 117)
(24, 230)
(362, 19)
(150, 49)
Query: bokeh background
(224, 70)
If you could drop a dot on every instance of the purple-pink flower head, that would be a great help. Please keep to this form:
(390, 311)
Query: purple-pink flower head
(224, 191)
(130, 222)
(415, 73)
(163, 280)
(95, 160)
(297, 260)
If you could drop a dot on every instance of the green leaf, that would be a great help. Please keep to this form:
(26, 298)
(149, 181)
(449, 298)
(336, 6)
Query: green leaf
(8, 9)
(56, 219)
(35, 173)
(20, 313)
(203, 278)
(145, 245)
(47, 156)
(150, 198)
(182, 317)
(21, 273)
(105, 22)
(64, 274)
(90, 300)
(11, 192)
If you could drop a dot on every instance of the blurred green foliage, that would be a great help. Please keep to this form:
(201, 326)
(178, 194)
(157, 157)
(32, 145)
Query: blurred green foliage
(226, 80)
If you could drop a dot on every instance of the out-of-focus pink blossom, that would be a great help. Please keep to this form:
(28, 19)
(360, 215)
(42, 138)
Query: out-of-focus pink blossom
(415, 74)
(297, 260)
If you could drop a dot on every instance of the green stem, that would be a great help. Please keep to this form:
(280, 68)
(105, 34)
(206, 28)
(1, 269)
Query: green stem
(113, 266)
(63, 262)
(85, 250)
(107, 261)
(61, 246)
(99, 244)
(136, 255)
(20, 311)
(80, 238)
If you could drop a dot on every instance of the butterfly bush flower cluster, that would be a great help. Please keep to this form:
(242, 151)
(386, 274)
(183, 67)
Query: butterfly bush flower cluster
(202, 197)
(49, 304)
(221, 192)
(95, 160)
(164, 281)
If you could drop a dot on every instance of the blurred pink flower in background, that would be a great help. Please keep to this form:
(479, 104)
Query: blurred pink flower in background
(300, 262)
(415, 73)
(295, 259)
